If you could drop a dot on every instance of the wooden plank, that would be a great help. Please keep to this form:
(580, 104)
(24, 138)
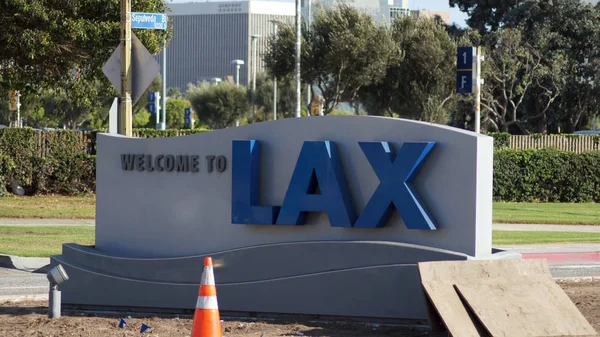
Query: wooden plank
(529, 307)
(451, 310)
(438, 280)
(455, 271)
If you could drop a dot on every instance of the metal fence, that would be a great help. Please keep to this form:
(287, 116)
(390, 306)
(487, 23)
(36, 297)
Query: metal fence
(85, 142)
(578, 144)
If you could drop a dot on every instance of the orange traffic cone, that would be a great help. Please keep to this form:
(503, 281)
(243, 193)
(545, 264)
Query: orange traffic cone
(207, 321)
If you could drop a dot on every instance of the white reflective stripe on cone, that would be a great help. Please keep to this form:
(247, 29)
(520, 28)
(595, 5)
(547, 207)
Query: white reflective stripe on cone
(208, 278)
(207, 302)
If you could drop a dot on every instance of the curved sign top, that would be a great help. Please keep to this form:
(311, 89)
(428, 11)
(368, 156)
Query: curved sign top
(332, 178)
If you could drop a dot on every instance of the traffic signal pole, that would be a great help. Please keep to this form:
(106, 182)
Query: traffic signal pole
(125, 111)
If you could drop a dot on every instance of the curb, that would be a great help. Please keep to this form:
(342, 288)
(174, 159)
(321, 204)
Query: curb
(34, 264)
(575, 257)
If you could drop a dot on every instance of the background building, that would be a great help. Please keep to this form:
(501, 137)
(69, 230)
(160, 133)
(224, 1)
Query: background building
(381, 10)
(207, 36)
(425, 13)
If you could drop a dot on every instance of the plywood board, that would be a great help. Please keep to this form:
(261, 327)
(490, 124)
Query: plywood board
(438, 280)
(452, 311)
(528, 307)
(456, 271)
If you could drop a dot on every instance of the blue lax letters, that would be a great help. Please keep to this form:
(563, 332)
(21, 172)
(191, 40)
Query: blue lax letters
(395, 174)
(318, 165)
(245, 186)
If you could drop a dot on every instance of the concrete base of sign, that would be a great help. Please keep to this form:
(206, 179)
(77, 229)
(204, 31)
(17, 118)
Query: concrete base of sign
(293, 278)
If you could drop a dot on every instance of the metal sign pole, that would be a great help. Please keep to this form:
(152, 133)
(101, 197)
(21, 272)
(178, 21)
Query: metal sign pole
(478, 91)
(163, 126)
(125, 111)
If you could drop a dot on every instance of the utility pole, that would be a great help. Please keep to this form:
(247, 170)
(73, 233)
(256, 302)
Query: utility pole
(478, 91)
(254, 61)
(163, 125)
(298, 54)
(125, 111)
(308, 85)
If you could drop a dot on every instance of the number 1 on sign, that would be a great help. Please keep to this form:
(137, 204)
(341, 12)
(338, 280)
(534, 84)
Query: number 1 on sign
(465, 57)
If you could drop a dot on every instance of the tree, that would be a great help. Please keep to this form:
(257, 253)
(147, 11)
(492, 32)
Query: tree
(286, 97)
(43, 41)
(343, 50)
(218, 106)
(141, 119)
(514, 70)
(486, 16)
(421, 84)
(176, 112)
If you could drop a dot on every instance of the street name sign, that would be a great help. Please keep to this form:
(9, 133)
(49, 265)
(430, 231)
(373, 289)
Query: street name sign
(149, 21)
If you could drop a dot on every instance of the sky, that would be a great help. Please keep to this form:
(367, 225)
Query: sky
(455, 15)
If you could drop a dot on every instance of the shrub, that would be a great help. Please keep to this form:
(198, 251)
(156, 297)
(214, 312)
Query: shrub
(546, 175)
(7, 167)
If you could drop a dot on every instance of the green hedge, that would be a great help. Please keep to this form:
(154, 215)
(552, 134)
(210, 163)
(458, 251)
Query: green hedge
(56, 162)
(546, 175)
(63, 162)
(7, 167)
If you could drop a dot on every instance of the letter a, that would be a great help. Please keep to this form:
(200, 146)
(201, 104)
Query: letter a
(245, 186)
(396, 174)
(318, 166)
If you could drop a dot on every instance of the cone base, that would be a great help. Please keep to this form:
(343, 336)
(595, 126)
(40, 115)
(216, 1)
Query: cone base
(207, 323)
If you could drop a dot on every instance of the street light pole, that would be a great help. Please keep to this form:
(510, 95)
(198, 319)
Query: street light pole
(163, 125)
(298, 54)
(125, 113)
(254, 61)
(237, 64)
(275, 23)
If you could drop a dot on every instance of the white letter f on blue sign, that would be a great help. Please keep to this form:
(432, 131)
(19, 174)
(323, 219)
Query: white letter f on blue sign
(396, 174)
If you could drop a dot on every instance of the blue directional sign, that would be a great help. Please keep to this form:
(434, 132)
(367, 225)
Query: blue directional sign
(466, 58)
(465, 68)
(464, 82)
(187, 112)
(149, 21)
(151, 97)
(187, 121)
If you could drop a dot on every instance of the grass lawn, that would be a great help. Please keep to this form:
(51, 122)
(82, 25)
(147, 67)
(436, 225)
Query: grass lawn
(540, 237)
(84, 208)
(48, 207)
(47, 241)
(42, 241)
(547, 213)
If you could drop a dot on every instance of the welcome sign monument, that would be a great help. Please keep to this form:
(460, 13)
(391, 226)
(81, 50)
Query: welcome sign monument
(297, 214)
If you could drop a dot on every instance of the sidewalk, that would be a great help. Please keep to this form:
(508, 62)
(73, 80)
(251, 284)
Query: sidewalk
(554, 253)
(46, 222)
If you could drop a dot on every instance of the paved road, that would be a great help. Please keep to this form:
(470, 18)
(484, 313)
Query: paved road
(20, 284)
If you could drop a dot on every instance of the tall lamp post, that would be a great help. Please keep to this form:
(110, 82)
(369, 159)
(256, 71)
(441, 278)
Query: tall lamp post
(238, 64)
(254, 61)
(298, 54)
(275, 25)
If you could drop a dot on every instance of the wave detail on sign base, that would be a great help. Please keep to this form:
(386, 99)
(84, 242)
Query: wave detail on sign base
(323, 278)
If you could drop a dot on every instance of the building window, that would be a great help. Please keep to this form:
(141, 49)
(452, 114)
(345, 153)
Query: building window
(396, 12)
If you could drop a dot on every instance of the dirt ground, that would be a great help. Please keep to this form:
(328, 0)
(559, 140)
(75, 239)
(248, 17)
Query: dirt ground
(30, 319)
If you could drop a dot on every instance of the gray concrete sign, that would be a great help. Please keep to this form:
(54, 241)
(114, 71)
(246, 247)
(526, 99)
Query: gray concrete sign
(298, 215)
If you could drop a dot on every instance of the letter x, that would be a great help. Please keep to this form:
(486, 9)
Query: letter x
(396, 174)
